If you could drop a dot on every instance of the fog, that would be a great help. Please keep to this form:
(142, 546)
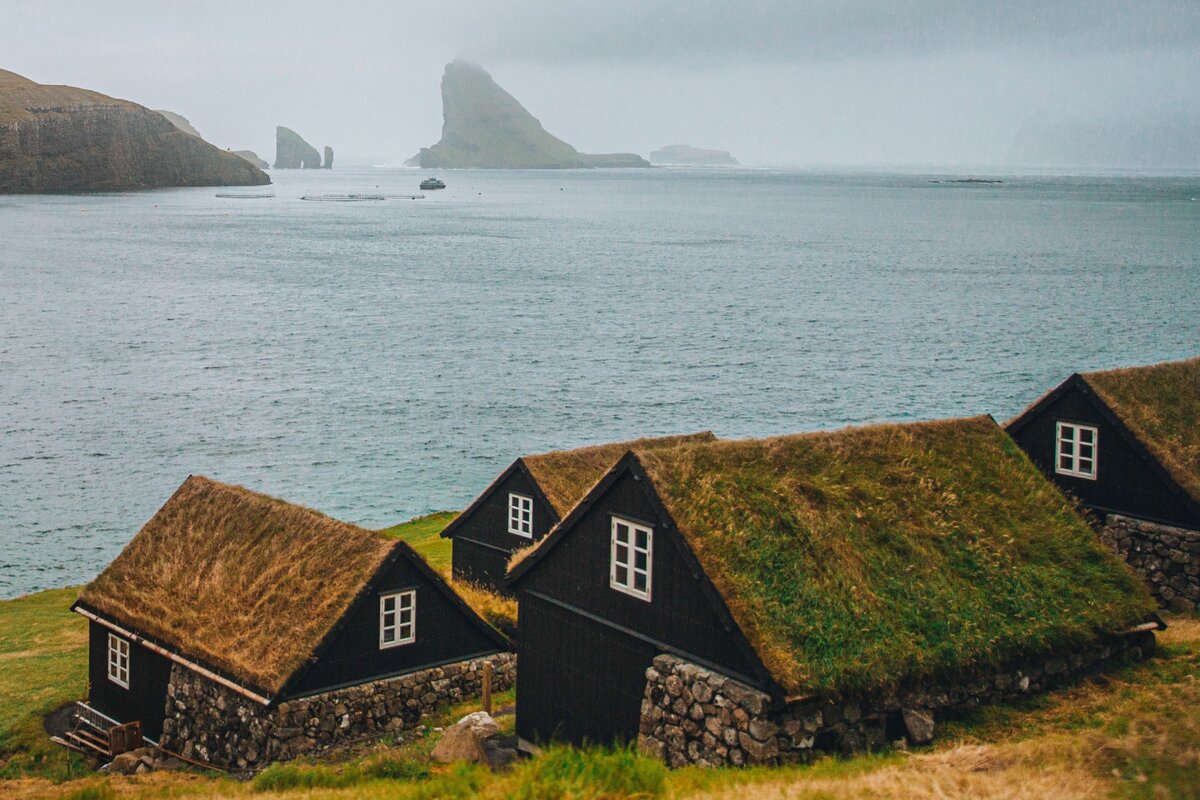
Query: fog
(845, 83)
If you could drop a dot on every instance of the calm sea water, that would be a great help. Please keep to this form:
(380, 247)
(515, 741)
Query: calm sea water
(381, 360)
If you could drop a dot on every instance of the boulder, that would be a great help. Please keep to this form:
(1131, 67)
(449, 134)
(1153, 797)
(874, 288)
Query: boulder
(464, 740)
(919, 725)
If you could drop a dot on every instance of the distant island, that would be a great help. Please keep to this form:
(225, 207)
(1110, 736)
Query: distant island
(485, 127)
(66, 139)
(686, 155)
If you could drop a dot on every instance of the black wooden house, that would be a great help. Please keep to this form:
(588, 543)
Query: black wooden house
(528, 499)
(799, 566)
(1123, 441)
(267, 602)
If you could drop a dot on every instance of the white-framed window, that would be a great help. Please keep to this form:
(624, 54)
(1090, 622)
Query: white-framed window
(118, 660)
(397, 619)
(1075, 450)
(632, 554)
(520, 515)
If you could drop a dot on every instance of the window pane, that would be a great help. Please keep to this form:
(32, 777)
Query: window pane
(1064, 462)
(639, 560)
(643, 539)
(1086, 435)
(622, 554)
(639, 581)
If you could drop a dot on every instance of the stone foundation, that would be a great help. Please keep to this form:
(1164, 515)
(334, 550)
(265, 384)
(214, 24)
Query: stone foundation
(691, 715)
(208, 722)
(1167, 558)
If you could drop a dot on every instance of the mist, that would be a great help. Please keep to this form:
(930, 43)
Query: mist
(808, 83)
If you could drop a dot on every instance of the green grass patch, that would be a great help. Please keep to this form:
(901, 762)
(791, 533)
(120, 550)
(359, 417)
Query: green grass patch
(566, 773)
(43, 664)
(424, 534)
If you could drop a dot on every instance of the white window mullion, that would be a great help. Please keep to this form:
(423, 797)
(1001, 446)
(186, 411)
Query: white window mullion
(1076, 448)
(520, 515)
(397, 619)
(631, 558)
(118, 660)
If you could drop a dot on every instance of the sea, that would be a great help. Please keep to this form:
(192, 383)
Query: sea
(379, 360)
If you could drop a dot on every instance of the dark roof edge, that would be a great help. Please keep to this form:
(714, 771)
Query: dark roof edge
(1014, 425)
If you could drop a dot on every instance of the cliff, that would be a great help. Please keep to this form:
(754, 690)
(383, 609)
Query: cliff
(292, 152)
(683, 154)
(484, 126)
(65, 139)
(252, 157)
(181, 122)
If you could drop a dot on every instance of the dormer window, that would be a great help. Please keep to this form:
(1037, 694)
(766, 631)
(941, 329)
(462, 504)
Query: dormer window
(118, 660)
(397, 619)
(520, 515)
(632, 551)
(1076, 450)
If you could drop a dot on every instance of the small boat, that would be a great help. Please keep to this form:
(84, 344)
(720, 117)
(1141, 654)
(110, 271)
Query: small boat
(432, 183)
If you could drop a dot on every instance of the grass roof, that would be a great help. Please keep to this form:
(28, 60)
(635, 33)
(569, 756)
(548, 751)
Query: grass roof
(1160, 404)
(238, 580)
(565, 476)
(857, 559)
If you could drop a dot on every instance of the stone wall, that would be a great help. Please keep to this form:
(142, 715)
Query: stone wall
(1167, 558)
(691, 715)
(208, 722)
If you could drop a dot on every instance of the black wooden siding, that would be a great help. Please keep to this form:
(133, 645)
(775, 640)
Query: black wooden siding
(482, 543)
(559, 670)
(146, 698)
(444, 634)
(578, 681)
(1125, 482)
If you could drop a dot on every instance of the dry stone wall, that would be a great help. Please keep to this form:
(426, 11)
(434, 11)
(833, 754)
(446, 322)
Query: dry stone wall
(692, 715)
(1167, 558)
(210, 723)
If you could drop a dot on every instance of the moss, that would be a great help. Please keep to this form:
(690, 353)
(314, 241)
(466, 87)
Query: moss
(861, 558)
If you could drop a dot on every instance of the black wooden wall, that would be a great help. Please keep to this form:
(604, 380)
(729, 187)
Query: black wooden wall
(444, 634)
(1125, 482)
(146, 698)
(482, 544)
(569, 660)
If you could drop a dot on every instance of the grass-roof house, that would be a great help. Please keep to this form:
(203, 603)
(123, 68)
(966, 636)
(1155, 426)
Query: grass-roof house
(814, 590)
(528, 499)
(1125, 444)
(242, 629)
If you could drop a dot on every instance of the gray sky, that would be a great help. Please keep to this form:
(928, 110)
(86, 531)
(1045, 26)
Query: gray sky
(812, 83)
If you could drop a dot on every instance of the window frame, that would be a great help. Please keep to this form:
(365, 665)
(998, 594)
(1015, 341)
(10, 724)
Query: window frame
(1074, 471)
(397, 625)
(118, 649)
(629, 568)
(522, 505)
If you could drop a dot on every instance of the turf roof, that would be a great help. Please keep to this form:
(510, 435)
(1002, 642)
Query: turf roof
(1160, 404)
(857, 559)
(238, 580)
(566, 475)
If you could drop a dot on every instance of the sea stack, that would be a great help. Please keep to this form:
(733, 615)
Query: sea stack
(328, 157)
(66, 139)
(484, 126)
(292, 152)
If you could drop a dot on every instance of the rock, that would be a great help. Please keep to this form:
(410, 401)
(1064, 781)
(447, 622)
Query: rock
(252, 157)
(484, 126)
(481, 724)
(459, 743)
(683, 154)
(919, 725)
(292, 152)
(126, 763)
(180, 122)
(66, 139)
(328, 158)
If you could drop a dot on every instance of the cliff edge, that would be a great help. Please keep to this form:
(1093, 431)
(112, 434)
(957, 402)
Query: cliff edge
(65, 139)
(484, 126)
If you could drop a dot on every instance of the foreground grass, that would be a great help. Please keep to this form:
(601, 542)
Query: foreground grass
(43, 664)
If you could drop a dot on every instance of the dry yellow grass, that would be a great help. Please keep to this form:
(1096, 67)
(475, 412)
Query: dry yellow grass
(565, 476)
(238, 580)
